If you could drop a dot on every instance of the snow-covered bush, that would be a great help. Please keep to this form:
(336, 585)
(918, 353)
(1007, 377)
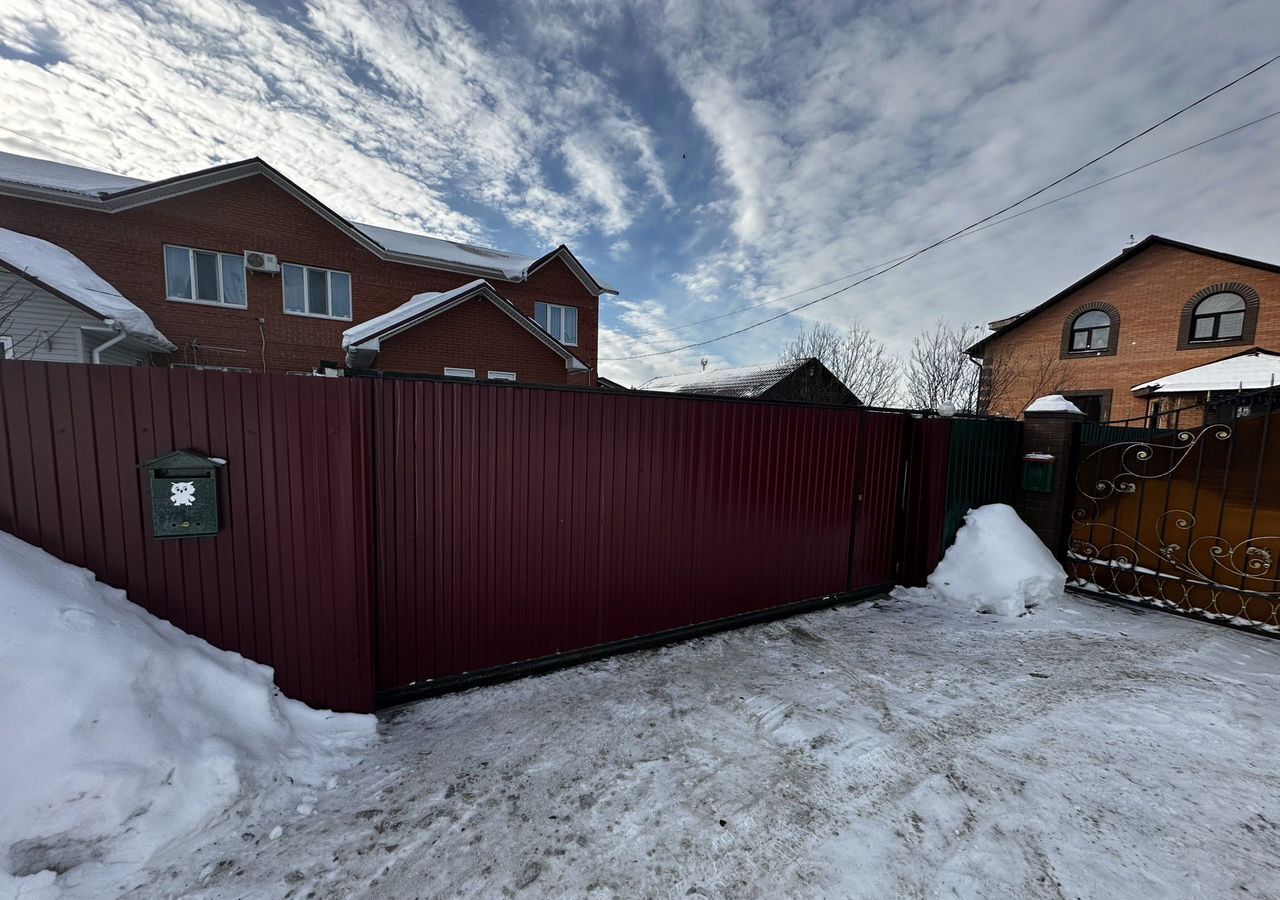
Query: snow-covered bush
(120, 733)
(997, 565)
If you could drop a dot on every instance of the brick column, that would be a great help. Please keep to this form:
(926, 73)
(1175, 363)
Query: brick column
(1045, 513)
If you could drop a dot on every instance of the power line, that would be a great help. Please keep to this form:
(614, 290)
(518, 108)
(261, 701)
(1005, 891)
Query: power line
(740, 309)
(968, 233)
(97, 166)
(839, 278)
(955, 234)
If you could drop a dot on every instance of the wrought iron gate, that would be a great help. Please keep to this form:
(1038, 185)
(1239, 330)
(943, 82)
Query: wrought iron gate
(1182, 511)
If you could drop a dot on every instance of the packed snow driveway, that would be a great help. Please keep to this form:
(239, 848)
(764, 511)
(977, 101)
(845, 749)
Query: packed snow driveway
(905, 748)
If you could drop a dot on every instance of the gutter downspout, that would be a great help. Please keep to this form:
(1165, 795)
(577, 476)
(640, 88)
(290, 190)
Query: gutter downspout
(107, 345)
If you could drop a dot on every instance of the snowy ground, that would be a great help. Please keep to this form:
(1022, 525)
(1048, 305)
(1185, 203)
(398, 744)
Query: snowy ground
(903, 748)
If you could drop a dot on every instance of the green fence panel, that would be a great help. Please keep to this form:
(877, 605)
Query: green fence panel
(983, 467)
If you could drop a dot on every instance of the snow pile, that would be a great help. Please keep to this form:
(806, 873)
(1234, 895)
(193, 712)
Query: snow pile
(1054, 403)
(120, 733)
(997, 565)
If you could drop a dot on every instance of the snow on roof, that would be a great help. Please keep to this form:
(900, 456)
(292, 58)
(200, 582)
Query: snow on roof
(1256, 368)
(57, 270)
(743, 381)
(101, 186)
(413, 307)
(1053, 403)
(61, 177)
(422, 304)
(510, 265)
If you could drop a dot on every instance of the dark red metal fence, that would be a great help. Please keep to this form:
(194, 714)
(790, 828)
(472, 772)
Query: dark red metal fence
(382, 534)
(286, 582)
(516, 523)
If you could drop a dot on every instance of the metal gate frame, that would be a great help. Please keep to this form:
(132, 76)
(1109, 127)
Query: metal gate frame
(1182, 513)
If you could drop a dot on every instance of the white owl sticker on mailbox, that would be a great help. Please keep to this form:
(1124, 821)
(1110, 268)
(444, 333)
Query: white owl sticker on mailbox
(182, 493)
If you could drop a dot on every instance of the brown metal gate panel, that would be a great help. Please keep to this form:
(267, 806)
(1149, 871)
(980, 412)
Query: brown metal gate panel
(1184, 518)
(287, 580)
(515, 523)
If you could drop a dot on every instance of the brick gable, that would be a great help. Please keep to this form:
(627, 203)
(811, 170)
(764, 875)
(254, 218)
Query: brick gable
(126, 248)
(474, 335)
(1149, 292)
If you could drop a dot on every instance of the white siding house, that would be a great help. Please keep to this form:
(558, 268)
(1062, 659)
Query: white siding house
(54, 308)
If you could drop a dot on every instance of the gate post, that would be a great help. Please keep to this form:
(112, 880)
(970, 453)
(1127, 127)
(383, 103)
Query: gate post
(1049, 432)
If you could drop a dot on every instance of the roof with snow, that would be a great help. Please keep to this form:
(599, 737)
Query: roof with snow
(42, 179)
(53, 269)
(1250, 370)
(363, 341)
(512, 265)
(1003, 326)
(61, 177)
(743, 381)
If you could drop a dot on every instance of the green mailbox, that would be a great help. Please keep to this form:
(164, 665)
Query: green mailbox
(1037, 472)
(184, 494)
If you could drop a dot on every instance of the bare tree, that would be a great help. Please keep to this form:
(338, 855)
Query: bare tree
(1010, 382)
(855, 357)
(939, 371)
(21, 345)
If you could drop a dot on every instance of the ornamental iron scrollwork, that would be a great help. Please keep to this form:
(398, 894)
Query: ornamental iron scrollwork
(1136, 452)
(1211, 575)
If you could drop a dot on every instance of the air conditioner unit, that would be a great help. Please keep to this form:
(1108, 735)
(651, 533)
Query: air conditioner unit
(260, 262)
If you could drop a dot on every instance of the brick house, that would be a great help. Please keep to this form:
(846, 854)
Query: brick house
(1158, 309)
(239, 268)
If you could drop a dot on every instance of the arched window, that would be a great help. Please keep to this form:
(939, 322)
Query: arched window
(1090, 332)
(1218, 317)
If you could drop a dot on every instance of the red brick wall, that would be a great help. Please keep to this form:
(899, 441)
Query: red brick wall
(1149, 291)
(126, 248)
(476, 335)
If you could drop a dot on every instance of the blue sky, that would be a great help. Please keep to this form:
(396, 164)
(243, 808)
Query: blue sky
(700, 156)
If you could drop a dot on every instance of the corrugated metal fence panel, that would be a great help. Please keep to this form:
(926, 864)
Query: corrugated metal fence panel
(879, 464)
(925, 499)
(287, 581)
(983, 467)
(517, 522)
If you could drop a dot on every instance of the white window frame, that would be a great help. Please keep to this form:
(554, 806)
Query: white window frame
(452, 372)
(191, 274)
(306, 292)
(6, 347)
(560, 306)
(501, 376)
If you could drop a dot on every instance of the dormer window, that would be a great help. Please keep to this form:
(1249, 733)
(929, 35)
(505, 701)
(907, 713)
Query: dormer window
(561, 322)
(1090, 332)
(1221, 315)
(1218, 317)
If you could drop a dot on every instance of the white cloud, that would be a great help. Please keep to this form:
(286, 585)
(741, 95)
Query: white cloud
(632, 336)
(391, 114)
(850, 137)
(826, 137)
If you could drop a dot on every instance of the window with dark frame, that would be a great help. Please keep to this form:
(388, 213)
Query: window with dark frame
(1154, 410)
(1090, 332)
(1218, 317)
(1092, 405)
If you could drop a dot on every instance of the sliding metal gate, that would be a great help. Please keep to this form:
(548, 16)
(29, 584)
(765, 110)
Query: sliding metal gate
(1183, 512)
